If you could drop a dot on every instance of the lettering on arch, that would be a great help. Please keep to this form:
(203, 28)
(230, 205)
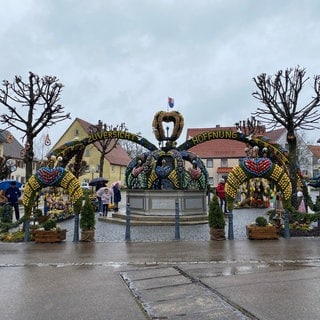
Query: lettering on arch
(69, 149)
(235, 135)
(210, 135)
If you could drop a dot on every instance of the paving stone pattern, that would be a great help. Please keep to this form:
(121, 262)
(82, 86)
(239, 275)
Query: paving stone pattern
(107, 232)
(167, 293)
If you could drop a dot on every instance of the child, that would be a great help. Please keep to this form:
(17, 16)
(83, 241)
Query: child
(105, 198)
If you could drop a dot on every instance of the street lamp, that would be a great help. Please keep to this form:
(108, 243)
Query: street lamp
(11, 165)
(92, 170)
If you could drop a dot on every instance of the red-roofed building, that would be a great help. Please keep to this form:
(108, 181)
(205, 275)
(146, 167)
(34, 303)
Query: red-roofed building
(115, 162)
(221, 155)
(218, 155)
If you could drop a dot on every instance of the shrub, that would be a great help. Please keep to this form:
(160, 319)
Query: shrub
(261, 221)
(87, 217)
(215, 216)
(37, 213)
(49, 224)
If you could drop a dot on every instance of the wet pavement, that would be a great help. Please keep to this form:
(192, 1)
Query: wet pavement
(154, 276)
(232, 279)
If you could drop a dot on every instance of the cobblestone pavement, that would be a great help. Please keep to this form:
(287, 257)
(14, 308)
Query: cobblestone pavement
(106, 232)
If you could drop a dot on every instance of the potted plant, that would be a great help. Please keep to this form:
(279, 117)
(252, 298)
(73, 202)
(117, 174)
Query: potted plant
(262, 230)
(87, 220)
(216, 220)
(49, 232)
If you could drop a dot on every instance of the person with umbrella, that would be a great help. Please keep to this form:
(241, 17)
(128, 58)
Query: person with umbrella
(13, 194)
(99, 192)
(100, 184)
(116, 195)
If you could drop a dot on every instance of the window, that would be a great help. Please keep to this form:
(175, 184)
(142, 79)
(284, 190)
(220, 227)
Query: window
(87, 152)
(209, 163)
(224, 163)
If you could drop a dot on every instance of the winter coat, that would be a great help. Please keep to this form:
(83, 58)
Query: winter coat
(116, 194)
(220, 190)
(13, 194)
(106, 197)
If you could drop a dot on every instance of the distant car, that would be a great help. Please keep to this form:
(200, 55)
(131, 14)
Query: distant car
(314, 182)
(85, 185)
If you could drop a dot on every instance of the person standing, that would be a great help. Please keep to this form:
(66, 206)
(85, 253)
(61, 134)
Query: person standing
(301, 203)
(13, 194)
(116, 196)
(99, 192)
(106, 199)
(222, 195)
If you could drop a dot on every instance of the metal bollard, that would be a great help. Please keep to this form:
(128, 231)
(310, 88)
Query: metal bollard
(45, 207)
(26, 227)
(230, 225)
(286, 224)
(128, 235)
(177, 222)
(76, 228)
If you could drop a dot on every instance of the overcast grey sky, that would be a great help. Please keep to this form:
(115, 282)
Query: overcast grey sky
(119, 60)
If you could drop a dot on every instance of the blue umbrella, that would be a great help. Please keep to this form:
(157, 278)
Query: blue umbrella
(5, 184)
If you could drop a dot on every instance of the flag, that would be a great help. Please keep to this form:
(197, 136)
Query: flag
(170, 102)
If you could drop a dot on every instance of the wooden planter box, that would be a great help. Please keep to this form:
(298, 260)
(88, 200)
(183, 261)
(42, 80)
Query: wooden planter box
(262, 233)
(49, 235)
(217, 234)
(87, 235)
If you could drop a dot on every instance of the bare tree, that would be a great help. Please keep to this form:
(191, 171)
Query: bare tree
(78, 170)
(133, 149)
(32, 106)
(105, 146)
(250, 127)
(279, 97)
